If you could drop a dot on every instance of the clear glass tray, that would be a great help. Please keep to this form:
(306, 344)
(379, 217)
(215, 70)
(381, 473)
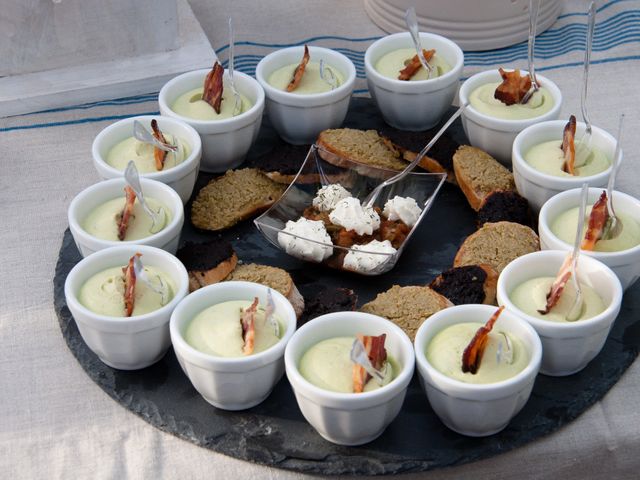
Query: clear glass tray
(360, 180)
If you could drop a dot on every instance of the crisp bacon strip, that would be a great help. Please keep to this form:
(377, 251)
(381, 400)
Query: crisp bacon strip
(557, 287)
(569, 146)
(374, 346)
(158, 154)
(123, 222)
(299, 71)
(248, 322)
(597, 222)
(212, 93)
(472, 355)
(130, 285)
(414, 65)
(513, 87)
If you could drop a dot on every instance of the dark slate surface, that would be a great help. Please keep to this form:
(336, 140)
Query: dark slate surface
(275, 433)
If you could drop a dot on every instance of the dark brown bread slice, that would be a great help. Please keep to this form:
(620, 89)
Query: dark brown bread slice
(467, 284)
(497, 244)
(282, 163)
(207, 263)
(233, 197)
(320, 300)
(478, 174)
(504, 205)
(272, 277)
(407, 307)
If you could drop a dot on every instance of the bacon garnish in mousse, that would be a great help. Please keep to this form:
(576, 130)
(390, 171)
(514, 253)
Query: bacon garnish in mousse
(212, 93)
(472, 355)
(123, 222)
(597, 222)
(513, 87)
(248, 322)
(158, 154)
(414, 65)
(299, 71)
(374, 347)
(569, 146)
(557, 287)
(130, 285)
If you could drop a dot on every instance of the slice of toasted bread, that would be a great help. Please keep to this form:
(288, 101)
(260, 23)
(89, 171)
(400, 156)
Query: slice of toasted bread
(272, 277)
(407, 307)
(506, 206)
(207, 263)
(497, 244)
(468, 284)
(478, 174)
(322, 299)
(233, 197)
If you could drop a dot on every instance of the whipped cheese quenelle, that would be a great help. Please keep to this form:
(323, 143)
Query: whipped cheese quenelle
(327, 365)
(350, 214)
(548, 157)
(104, 292)
(405, 209)
(366, 258)
(390, 64)
(217, 330)
(311, 81)
(191, 105)
(102, 221)
(565, 225)
(328, 197)
(483, 100)
(301, 248)
(142, 154)
(444, 353)
(531, 296)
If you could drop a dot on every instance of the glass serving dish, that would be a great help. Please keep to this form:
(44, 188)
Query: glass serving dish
(359, 179)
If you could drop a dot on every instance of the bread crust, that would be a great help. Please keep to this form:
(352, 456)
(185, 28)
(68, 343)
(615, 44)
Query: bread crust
(202, 278)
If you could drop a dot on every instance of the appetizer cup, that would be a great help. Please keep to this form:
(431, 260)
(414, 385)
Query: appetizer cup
(125, 343)
(566, 347)
(624, 263)
(496, 135)
(413, 105)
(477, 410)
(298, 118)
(97, 194)
(225, 142)
(231, 383)
(538, 187)
(350, 418)
(181, 178)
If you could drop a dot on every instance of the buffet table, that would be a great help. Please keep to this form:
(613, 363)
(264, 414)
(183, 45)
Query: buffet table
(57, 423)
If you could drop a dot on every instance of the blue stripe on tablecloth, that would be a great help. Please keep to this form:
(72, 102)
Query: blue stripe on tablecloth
(357, 92)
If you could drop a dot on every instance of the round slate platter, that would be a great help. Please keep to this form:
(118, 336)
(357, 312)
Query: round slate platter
(275, 433)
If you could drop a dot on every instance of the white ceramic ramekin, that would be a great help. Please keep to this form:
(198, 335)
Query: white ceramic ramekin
(97, 194)
(224, 382)
(299, 119)
(350, 418)
(416, 105)
(566, 347)
(181, 178)
(496, 135)
(125, 343)
(538, 187)
(471, 409)
(225, 142)
(625, 264)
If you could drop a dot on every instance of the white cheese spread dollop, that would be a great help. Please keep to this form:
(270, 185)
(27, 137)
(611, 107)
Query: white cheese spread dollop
(360, 260)
(350, 214)
(304, 249)
(328, 196)
(405, 209)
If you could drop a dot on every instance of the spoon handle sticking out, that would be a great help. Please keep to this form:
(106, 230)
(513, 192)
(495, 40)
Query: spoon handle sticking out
(534, 8)
(411, 21)
(576, 308)
(614, 222)
(133, 179)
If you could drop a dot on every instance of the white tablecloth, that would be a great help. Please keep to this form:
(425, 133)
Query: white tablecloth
(55, 422)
